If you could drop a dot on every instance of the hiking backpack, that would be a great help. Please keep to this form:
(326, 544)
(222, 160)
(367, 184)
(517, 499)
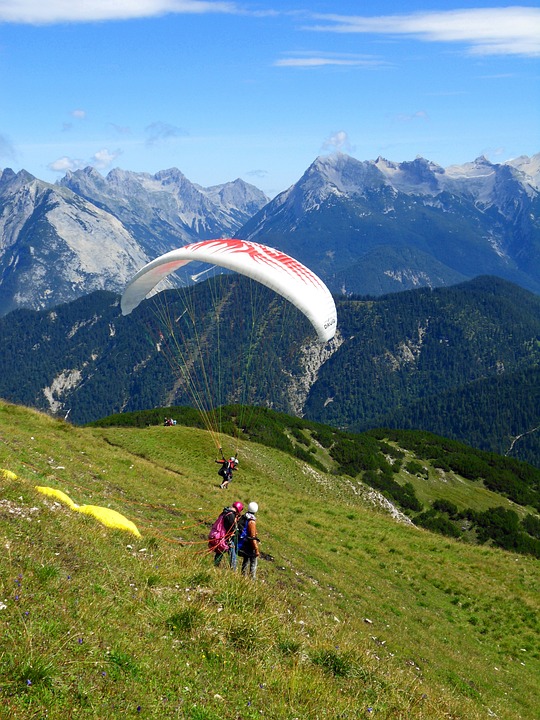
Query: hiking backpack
(242, 532)
(217, 537)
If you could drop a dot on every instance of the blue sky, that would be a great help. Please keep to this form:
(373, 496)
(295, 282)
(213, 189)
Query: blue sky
(258, 90)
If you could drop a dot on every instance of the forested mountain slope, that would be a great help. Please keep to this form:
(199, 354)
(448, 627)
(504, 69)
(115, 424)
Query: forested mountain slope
(457, 361)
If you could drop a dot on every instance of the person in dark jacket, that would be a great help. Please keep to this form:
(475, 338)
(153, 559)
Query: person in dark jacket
(231, 516)
(248, 550)
(226, 470)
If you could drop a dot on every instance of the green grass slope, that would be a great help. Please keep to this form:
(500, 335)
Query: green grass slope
(353, 615)
(440, 484)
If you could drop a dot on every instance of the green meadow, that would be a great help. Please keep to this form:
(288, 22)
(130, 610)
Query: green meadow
(353, 614)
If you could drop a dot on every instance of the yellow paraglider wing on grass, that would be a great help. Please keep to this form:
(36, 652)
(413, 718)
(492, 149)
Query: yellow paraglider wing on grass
(106, 516)
(110, 518)
(59, 495)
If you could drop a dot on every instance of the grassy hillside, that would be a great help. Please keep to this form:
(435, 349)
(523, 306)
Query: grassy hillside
(440, 484)
(353, 615)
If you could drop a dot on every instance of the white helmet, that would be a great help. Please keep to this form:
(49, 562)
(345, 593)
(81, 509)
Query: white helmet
(253, 507)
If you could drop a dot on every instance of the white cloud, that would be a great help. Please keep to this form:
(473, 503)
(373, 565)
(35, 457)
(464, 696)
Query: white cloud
(486, 31)
(100, 160)
(48, 12)
(65, 163)
(338, 142)
(317, 59)
(103, 158)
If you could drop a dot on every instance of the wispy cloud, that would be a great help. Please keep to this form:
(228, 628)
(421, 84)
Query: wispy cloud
(338, 142)
(48, 12)
(160, 131)
(6, 148)
(314, 59)
(104, 158)
(485, 31)
(120, 129)
(497, 76)
(259, 174)
(411, 117)
(77, 114)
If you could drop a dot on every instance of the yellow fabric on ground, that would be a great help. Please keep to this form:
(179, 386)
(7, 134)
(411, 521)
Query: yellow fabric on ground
(59, 495)
(7, 474)
(106, 516)
(110, 518)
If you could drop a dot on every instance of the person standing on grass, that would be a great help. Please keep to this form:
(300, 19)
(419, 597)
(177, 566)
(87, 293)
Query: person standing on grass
(231, 516)
(248, 542)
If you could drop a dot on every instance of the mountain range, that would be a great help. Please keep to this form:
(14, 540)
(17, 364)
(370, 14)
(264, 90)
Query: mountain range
(378, 226)
(366, 227)
(59, 242)
(419, 343)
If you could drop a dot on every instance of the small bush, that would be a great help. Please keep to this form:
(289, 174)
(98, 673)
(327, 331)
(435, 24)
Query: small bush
(437, 523)
(242, 635)
(46, 572)
(185, 620)
(122, 661)
(445, 506)
(333, 663)
(289, 647)
(38, 671)
(415, 468)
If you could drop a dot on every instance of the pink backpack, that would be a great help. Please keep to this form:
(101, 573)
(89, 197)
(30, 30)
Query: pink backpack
(217, 541)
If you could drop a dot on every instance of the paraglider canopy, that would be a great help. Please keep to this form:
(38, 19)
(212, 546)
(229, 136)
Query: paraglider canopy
(264, 264)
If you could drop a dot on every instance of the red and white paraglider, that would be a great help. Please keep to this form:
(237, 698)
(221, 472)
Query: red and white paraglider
(264, 264)
(194, 352)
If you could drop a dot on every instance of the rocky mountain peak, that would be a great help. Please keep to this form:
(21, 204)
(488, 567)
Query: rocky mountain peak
(529, 167)
(238, 194)
(14, 181)
(341, 174)
(380, 226)
(88, 172)
(7, 175)
(416, 176)
(171, 176)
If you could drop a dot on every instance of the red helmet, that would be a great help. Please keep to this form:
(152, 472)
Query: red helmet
(238, 507)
